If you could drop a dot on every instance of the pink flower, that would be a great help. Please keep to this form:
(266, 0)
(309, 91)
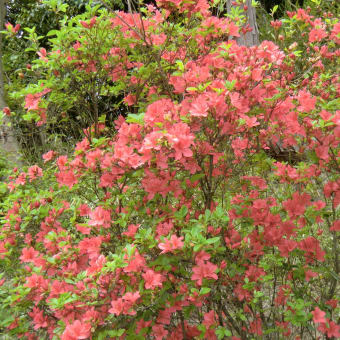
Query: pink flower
(159, 332)
(117, 307)
(123, 305)
(131, 297)
(100, 217)
(297, 205)
(42, 54)
(331, 328)
(76, 45)
(9, 26)
(83, 229)
(233, 29)
(335, 226)
(317, 35)
(77, 331)
(202, 256)
(66, 178)
(21, 178)
(332, 303)
(40, 321)
(318, 315)
(152, 279)
(209, 319)
(48, 156)
(107, 180)
(142, 324)
(28, 254)
(34, 172)
(7, 111)
(306, 101)
(61, 162)
(171, 245)
(132, 229)
(199, 107)
(181, 139)
(135, 263)
(84, 210)
(238, 145)
(204, 270)
(335, 35)
(158, 111)
(309, 274)
(256, 327)
(276, 24)
(130, 99)
(12, 29)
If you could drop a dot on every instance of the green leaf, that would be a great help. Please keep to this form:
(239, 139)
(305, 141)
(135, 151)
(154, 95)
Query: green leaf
(213, 240)
(230, 84)
(191, 89)
(196, 177)
(180, 65)
(102, 335)
(274, 9)
(197, 247)
(136, 118)
(207, 215)
(222, 332)
(204, 290)
(183, 211)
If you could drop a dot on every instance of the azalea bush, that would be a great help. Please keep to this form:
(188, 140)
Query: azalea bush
(213, 210)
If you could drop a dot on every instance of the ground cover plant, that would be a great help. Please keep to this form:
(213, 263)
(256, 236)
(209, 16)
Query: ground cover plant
(211, 211)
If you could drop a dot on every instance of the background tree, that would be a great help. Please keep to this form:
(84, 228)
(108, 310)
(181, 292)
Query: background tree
(8, 141)
(250, 35)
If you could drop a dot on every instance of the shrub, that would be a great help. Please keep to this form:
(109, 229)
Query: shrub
(182, 224)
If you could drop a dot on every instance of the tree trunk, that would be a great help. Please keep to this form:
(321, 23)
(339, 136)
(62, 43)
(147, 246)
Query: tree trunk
(8, 143)
(250, 38)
